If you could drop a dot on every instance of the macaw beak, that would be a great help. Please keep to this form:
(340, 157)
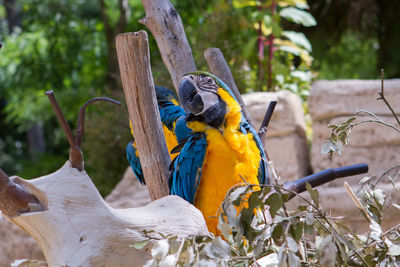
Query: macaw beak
(189, 97)
(194, 100)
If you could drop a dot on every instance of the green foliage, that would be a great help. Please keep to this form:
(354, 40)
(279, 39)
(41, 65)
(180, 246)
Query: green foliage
(53, 51)
(280, 236)
(353, 56)
(291, 60)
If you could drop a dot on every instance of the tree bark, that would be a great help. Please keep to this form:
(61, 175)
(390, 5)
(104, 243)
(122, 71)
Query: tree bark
(220, 68)
(113, 77)
(13, 15)
(166, 26)
(137, 81)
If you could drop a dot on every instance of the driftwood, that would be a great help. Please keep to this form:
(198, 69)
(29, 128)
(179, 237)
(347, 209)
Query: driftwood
(78, 228)
(137, 81)
(220, 68)
(166, 26)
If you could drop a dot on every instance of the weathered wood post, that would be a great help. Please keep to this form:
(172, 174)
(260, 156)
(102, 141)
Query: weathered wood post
(166, 26)
(137, 81)
(220, 68)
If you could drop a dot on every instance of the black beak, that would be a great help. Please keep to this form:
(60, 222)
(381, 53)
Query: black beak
(190, 100)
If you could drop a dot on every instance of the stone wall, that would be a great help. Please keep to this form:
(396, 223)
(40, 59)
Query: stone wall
(332, 102)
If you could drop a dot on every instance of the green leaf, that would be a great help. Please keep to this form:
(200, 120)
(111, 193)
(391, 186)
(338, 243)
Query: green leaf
(250, 47)
(274, 202)
(276, 28)
(277, 232)
(236, 195)
(302, 208)
(296, 230)
(298, 38)
(254, 200)
(139, 245)
(298, 16)
(351, 119)
(313, 193)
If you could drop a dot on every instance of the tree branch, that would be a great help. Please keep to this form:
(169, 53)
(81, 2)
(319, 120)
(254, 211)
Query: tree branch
(166, 26)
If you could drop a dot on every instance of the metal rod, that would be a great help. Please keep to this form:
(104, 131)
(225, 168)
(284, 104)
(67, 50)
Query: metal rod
(80, 131)
(267, 117)
(325, 176)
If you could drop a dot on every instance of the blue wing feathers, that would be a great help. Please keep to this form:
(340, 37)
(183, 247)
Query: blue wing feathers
(134, 162)
(187, 169)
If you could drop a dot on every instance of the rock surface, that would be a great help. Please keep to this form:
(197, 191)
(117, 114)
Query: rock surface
(16, 244)
(330, 99)
(128, 193)
(333, 102)
(286, 140)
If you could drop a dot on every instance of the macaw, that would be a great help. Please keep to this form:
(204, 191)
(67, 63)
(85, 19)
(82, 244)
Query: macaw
(224, 149)
(174, 127)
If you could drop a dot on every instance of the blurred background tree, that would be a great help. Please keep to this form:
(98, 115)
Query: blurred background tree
(68, 46)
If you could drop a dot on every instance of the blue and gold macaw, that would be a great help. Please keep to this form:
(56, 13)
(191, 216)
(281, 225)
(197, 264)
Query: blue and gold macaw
(223, 150)
(174, 127)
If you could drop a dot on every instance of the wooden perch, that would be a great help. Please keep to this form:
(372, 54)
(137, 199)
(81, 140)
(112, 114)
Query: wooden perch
(220, 68)
(137, 81)
(166, 26)
(78, 228)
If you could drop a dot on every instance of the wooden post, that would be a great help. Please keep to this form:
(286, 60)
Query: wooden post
(137, 81)
(166, 26)
(220, 68)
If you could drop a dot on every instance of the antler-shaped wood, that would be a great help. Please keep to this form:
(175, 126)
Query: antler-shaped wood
(78, 228)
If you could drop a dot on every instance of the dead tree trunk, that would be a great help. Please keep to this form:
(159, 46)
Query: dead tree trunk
(220, 68)
(137, 81)
(166, 26)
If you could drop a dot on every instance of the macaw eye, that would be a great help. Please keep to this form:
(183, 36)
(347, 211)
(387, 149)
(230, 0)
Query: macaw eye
(210, 81)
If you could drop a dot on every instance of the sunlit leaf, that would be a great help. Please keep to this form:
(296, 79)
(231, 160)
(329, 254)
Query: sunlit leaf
(380, 197)
(140, 244)
(396, 206)
(298, 16)
(298, 38)
(243, 3)
(394, 250)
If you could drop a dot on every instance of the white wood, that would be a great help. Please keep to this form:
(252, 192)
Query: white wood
(78, 228)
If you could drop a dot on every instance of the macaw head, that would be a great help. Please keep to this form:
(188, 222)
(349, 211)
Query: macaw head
(165, 96)
(199, 94)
